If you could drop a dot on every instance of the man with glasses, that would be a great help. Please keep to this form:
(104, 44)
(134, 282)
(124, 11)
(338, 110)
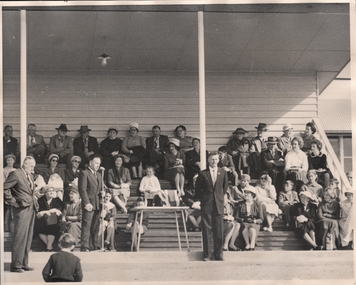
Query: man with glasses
(19, 192)
(36, 145)
(62, 145)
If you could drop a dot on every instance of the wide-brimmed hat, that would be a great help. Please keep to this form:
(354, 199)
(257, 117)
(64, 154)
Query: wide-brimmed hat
(251, 189)
(307, 194)
(51, 156)
(261, 127)
(10, 155)
(62, 127)
(240, 131)
(133, 125)
(245, 177)
(272, 140)
(174, 141)
(113, 129)
(84, 129)
(287, 127)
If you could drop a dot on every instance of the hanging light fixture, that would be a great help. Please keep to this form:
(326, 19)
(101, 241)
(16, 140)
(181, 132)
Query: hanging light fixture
(104, 57)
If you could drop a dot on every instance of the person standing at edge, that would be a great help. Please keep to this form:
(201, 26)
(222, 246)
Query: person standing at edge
(19, 192)
(89, 187)
(210, 188)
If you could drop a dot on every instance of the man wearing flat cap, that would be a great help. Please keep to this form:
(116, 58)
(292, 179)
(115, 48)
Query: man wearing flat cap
(258, 144)
(238, 147)
(273, 162)
(285, 141)
(85, 146)
(61, 145)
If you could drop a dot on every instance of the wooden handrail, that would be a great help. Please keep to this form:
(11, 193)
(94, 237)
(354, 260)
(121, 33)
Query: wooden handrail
(332, 157)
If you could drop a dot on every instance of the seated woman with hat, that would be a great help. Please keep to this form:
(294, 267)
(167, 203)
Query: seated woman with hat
(110, 147)
(328, 214)
(238, 147)
(71, 176)
(174, 161)
(248, 214)
(305, 217)
(10, 160)
(346, 221)
(52, 168)
(134, 146)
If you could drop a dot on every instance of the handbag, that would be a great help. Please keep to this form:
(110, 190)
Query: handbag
(51, 220)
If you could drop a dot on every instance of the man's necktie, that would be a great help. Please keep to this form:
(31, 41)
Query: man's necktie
(213, 176)
(155, 144)
(30, 183)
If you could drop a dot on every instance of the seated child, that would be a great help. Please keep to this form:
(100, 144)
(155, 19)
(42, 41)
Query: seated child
(150, 186)
(108, 214)
(134, 227)
(194, 213)
(334, 185)
(63, 266)
(231, 227)
(286, 200)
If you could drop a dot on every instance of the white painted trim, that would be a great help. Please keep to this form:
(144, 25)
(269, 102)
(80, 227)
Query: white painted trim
(341, 152)
(23, 84)
(1, 149)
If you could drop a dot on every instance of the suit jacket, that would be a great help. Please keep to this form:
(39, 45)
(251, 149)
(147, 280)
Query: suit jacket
(78, 146)
(61, 151)
(266, 156)
(89, 188)
(163, 143)
(10, 147)
(208, 193)
(257, 146)
(39, 140)
(17, 191)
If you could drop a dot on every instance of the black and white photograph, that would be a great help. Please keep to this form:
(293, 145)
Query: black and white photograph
(177, 141)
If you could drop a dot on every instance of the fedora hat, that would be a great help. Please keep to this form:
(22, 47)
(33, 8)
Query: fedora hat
(261, 127)
(272, 140)
(84, 129)
(239, 131)
(287, 127)
(174, 141)
(62, 127)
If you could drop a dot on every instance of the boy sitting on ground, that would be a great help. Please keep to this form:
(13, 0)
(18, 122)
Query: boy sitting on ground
(63, 266)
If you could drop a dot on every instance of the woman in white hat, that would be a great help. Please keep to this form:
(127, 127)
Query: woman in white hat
(248, 214)
(174, 161)
(134, 146)
(328, 215)
(52, 168)
(346, 220)
(305, 217)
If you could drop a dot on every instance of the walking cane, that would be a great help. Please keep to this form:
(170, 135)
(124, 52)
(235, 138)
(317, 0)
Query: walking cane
(102, 208)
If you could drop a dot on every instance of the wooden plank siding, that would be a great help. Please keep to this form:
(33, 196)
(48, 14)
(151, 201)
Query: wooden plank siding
(100, 100)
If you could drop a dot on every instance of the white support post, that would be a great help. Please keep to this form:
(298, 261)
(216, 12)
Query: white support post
(202, 120)
(2, 281)
(341, 152)
(23, 85)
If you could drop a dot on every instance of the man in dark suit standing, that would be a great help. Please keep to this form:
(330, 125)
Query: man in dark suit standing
(273, 162)
(85, 146)
(210, 189)
(19, 192)
(89, 186)
(155, 147)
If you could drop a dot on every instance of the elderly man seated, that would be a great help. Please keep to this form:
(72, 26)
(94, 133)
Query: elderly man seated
(36, 145)
(61, 145)
(225, 162)
(273, 162)
(258, 144)
(85, 146)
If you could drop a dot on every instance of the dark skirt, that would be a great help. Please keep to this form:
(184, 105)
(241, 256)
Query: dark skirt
(42, 228)
(305, 228)
(171, 174)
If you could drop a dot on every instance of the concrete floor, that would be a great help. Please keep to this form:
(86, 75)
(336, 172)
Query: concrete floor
(306, 267)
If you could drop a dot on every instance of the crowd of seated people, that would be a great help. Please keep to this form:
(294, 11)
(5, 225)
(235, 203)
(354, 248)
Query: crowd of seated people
(286, 168)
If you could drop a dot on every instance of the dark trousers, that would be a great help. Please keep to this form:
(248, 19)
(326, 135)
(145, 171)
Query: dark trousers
(213, 234)
(278, 179)
(24, 220)
(90, 230)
